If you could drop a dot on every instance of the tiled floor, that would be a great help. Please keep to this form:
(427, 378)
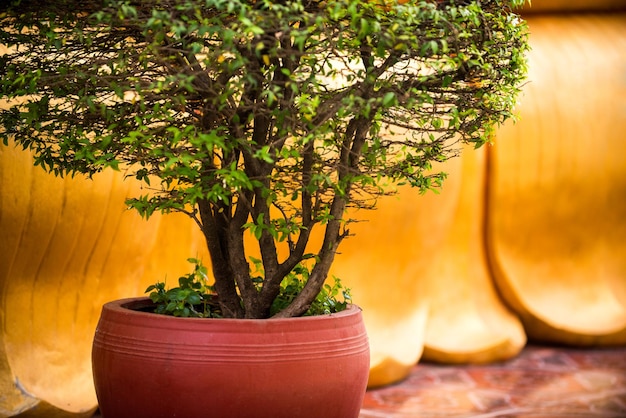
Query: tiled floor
(542, 382)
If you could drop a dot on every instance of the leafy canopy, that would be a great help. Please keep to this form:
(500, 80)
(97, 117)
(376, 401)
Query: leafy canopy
(267, 116)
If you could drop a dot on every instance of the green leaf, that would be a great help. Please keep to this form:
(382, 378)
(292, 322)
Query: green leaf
(389, 99)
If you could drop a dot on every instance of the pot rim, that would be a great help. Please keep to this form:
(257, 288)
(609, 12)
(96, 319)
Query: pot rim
(134, 304)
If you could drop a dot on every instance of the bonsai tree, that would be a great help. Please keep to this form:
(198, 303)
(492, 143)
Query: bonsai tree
(260, 117)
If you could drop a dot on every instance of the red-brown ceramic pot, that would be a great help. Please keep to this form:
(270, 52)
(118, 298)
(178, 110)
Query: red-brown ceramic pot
(149, 365)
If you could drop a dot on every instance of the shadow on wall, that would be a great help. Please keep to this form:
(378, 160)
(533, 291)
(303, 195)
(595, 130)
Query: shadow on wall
(526, 239)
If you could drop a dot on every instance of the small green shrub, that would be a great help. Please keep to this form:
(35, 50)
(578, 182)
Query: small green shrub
(194, 297)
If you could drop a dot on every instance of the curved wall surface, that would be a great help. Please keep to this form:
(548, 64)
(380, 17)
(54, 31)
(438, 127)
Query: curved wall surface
(66, 247)
(557, 185)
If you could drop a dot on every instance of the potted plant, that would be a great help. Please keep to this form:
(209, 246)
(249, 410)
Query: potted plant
(264, 122)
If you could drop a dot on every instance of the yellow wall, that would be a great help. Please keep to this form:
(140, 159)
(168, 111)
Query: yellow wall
(567, 6)
(526, 239)
(557, 185)
(66, 247)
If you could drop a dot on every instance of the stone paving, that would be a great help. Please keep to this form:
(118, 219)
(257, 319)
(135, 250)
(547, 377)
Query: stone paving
(542, 382)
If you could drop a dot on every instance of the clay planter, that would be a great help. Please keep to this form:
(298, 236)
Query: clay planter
(149, 365)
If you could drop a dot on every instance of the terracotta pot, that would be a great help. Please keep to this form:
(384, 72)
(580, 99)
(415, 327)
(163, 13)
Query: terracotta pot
(149, 365)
